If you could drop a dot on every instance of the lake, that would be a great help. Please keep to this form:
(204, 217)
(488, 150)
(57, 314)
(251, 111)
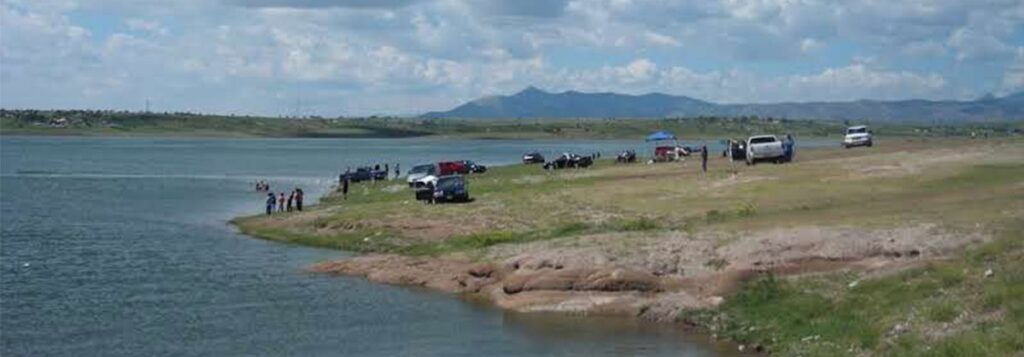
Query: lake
(121, 247)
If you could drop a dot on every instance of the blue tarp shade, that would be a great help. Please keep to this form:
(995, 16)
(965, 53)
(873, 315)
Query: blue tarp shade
(661, 135)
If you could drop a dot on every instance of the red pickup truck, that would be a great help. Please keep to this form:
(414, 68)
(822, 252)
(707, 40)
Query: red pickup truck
(446, 168)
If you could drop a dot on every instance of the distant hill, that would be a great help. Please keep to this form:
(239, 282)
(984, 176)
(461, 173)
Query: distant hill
(536, 103)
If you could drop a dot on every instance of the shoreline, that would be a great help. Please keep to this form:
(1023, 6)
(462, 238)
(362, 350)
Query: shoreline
(690, 269)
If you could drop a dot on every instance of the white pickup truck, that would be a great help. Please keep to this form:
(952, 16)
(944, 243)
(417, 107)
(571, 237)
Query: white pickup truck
(764, 148)
(857, 136)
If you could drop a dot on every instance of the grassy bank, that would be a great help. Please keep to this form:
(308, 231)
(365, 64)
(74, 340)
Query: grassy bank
(967, 305)
(966, 191)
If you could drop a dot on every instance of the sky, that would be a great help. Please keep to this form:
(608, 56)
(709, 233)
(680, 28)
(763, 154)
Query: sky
(400, 57)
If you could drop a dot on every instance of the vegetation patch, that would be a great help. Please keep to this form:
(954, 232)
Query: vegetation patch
(927, 310)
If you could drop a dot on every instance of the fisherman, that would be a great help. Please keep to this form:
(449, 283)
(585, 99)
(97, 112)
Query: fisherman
(270, 203)
(344, 176)
(344, 188)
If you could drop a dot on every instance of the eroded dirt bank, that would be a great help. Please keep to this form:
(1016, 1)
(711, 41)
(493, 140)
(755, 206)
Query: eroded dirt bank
(652, 275)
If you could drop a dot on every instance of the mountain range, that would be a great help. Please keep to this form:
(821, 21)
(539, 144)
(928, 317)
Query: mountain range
(533, 103)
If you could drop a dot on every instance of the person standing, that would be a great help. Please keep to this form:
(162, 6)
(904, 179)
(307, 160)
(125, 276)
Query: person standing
(344, 188)
(280, 202)
(298, 199)
(387, 169)
(270, 203)
(397, 171)
(291, 201)
(787, 148)
(704, 158)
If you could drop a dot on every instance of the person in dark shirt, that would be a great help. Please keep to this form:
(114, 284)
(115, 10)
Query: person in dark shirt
(344, 188)
(298, 198)
(704, 158)
(270, 202)
(787, 147)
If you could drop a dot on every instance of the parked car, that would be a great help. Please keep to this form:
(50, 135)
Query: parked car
(568, 160)
(858, 136)
(474, 167)
(419, 172)
(669, 153)
(582, 161)
(533, 158)
(451, 188)
(446, 168)
(764, 148)
(424, 181)
(366, 174)
(625, 157)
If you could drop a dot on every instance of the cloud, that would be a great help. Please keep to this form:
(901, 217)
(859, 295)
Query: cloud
(364, 4)
(148, 26)
(407, 56)
(1013, 79)
(660, 39)
(521, 8)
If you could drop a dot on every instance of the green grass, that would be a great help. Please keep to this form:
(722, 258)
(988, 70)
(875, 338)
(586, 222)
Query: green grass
(521, 203)
(824, 316)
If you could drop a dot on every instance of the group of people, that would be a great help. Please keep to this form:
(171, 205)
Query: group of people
(262, 186)
(280, 203)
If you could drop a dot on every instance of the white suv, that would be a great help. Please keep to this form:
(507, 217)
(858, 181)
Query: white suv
(857, 136)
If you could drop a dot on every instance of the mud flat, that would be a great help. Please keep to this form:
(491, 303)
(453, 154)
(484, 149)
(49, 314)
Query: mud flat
(911, 246)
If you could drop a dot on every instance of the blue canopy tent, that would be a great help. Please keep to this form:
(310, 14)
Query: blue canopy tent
(664, 136)
(661, 135)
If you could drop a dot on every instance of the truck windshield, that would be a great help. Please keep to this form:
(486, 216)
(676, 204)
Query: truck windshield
(857, 131)
(422, 169)
(763, 139)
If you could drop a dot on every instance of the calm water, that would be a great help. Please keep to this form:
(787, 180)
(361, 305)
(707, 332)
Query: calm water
(120, 247)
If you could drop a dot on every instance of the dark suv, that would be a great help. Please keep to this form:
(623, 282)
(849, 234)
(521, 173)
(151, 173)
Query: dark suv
(568, 160)
(451, 189)
(533, 158)
(473, 167)
(366, 174)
